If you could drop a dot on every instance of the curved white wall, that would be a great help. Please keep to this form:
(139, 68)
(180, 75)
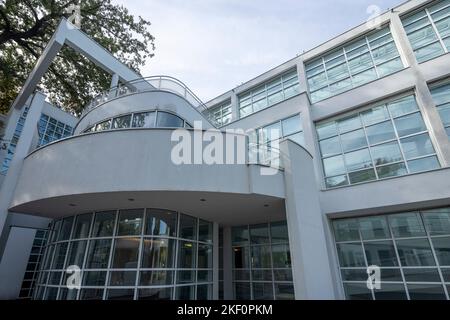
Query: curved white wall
(142, 101)
(104, 169)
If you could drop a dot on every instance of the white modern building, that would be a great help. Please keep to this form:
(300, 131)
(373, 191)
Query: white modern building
(363, 125)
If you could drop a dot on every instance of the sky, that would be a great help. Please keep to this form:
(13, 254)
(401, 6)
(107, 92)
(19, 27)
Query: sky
(215, 45)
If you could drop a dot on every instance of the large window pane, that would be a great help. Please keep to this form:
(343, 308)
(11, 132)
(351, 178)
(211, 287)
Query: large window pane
(392, 170)
(186, 254)
(160, 222)
(415, 252)
(155, 278)
(168, 120)
(406, 225)
(279, 232)
(410, 124)
(126, 253)
(98, 254)
(330, 147)
(240, 235)
(358, 160)
(188, 227)
(403, 106)
(259, 234)
(357, 291)
(442, 249)
(104, 224)
(380, 253)
(144, 120)
(386, 153)
(417, 146)
(122, 278)
(205, 231)
(374, 228)
(281, 256)
(122, 122)
(423, 164)
(262, 291)
(362, 176)
(426, 292)
(375, 115)
(284, 291)
(346, 230)
(334, 166)
(76, 253)
(353, 140)
(204, 256)
(157, 253)
(130, 222)
(391, 291)
(291, 125)
(66, 229)
(82, 226)
(421, 275)
(437, 221)
(155, 294)
(380, 132)
(261, 257)
(351, 255)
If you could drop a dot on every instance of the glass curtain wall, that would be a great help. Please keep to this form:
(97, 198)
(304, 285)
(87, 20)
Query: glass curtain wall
(429, 30)
(129, 254)
(412, 250)
(262, 262)
(387, 140)
(441, 97)
(361, 61)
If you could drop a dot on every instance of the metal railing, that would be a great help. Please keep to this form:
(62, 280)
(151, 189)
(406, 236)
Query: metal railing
(163, 83)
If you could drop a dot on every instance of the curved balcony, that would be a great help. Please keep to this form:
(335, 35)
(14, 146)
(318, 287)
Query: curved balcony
(161, 83)
(133, 168)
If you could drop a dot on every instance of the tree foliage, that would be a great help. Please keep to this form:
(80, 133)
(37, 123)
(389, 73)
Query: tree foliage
(71, 81)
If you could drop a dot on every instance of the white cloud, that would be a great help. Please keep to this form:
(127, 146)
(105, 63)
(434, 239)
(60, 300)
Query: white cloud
(214, 45)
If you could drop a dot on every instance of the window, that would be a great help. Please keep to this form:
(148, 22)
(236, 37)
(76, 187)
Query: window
(262, 262)
(411, 249)
(122, 122)
(144, 120)
(273, 91)
(168, 120)
(263, 142)
(50, 129)
(441, 96)
(361, 61)
(429, 30)
(122, 253)
(220, 114)
(385, 141)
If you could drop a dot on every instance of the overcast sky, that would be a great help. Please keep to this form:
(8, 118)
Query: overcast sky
(215, 45)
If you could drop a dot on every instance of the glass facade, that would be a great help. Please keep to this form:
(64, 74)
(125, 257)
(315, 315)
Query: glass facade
(429, 30)
(11, 149)
(32, 271)
(359, 62)
(388, 140)
(50, 129)
(269, 93)
(441, 96)
(221, 114)
(147, 119)
(262, 262)
(129, 254)
(262, 140)
(412, 250)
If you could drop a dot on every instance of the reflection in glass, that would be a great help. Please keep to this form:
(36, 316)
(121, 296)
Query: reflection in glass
(186, 254)
(130, 222)
(160, 222)
(144, 120)
(122, 278)
(188, 227)
(98, 254)
(168, 120)
(82, 226)
(351, 255)
(415, 252)
(156, 277)
(126, 253)
(426, 292)
(262, 291)
(259, 234)
(380, 253)
(158, 253)
(103, 224)
(406, 225)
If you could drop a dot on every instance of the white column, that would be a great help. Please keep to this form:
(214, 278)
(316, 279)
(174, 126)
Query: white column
(311, 266)
(23, 148)
(216, 266)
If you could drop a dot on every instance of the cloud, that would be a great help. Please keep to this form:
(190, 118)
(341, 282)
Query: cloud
(215, 45)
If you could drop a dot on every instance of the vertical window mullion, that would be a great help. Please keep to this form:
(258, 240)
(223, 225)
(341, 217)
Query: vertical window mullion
(371, 57)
